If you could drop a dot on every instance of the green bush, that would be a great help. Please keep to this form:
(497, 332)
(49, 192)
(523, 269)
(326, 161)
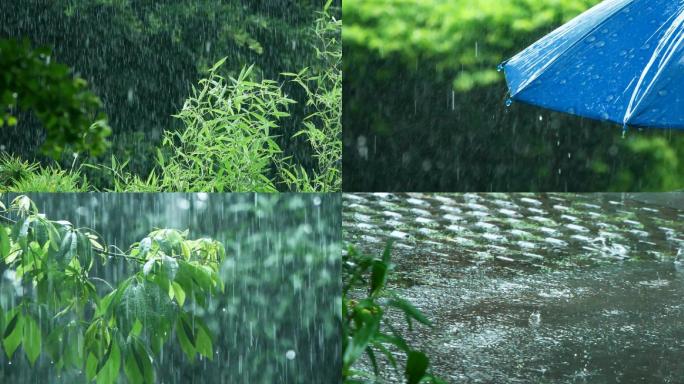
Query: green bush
(323, 125)
(227, 143)
(13, 169)
(141, 56)
(67, 110)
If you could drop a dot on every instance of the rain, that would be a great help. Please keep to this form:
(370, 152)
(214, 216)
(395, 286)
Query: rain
(143, 59)
(523, 288)
(275, 320)
(587, 104)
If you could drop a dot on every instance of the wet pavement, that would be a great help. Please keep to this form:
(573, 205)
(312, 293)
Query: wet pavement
(536, 288)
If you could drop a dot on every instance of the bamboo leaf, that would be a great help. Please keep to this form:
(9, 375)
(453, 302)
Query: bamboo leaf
(416, 367)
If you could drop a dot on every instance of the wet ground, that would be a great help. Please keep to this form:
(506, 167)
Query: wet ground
(536, 288)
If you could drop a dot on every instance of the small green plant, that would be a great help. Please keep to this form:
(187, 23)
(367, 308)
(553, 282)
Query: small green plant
(69, 112)
(93, 326)
(51, 179)
(365, 326)
(323, 126)
(13, 169)
(21, 176)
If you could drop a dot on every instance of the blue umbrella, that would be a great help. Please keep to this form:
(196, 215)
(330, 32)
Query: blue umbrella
(621, 61)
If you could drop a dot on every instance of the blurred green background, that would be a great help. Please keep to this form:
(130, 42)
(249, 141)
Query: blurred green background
(424, 107)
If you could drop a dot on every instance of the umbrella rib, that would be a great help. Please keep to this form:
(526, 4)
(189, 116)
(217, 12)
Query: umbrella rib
(548, 65)
(669, 45)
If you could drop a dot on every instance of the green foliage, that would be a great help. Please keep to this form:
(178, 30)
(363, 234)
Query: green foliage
(67, 110)
(365, 326)
(323, 126)
(51, 179)
(102, 331)
(13, 169)
(228, 143)
(20, 176)
(464, 39)
(654, 156)
(232, 130)
(142, 56)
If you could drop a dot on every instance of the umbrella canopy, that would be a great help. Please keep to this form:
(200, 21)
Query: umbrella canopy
(621, 61)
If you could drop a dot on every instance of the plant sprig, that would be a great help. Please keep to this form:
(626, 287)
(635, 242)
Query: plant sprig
(366, 329)
(125, 326)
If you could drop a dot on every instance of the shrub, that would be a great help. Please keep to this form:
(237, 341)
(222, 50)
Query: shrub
(227, 143)
(67, 110)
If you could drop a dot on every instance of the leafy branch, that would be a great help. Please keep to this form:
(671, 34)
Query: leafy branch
(126, 325)
(367, 331)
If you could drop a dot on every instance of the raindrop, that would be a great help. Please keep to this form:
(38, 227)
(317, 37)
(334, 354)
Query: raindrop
(290, 355)
(509, 102)
(535, 319)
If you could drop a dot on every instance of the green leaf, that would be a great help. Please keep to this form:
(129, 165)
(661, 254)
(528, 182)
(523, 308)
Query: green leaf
(138, 364)
(13, 335)
(218, 64)
(204, 346)
(416, 367)
(84, 250)
(178, 293)
(91, 367)
(54, 236)
(362, 337)
(68, 247)
(32, 339)
(104, 305)
(137, 328)
(409, 310)
(4, 243)
(110, 371)
(378, 276)
(185, 337)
